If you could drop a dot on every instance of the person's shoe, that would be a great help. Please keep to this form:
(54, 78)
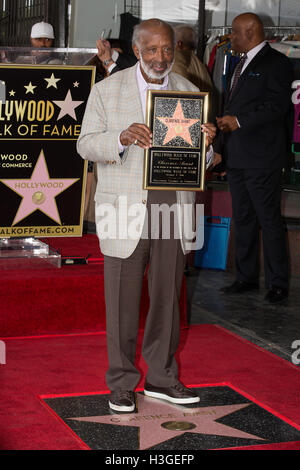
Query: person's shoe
(238, 287)
(276, 294)
(178, 393)
(122, 400)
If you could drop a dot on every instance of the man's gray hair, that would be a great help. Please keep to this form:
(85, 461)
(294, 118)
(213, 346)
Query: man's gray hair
(144, 25)
(187, 35)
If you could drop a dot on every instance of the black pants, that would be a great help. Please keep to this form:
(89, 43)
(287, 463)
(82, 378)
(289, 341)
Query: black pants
(256, 198)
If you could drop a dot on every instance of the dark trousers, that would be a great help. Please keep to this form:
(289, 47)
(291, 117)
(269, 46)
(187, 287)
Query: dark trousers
(256, 198)
(123, 285)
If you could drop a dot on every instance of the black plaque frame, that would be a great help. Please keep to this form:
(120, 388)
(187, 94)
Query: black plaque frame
(173, 161)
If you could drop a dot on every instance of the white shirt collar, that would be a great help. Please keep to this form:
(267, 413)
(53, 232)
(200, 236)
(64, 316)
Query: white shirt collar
(143, 85)
(114, 55)
(252, 53)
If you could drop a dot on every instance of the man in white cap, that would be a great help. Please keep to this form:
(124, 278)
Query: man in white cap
(42, 35)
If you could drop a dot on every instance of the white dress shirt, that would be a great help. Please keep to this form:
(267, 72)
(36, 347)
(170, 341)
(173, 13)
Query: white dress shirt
(252, 53)
(114, 57)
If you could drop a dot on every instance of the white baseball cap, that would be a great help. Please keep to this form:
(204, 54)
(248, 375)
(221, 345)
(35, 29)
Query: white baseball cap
(42, 30)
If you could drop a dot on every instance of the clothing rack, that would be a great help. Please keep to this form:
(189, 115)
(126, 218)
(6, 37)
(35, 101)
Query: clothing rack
(133, 7)
(223, 30)
(283, 29)
(219, 30)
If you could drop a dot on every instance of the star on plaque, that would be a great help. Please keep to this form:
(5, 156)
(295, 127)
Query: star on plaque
(178, 125)
(30, 88)
(68, 106)
(39, 191)
(12, 93)
(159, 421)
(52, 81)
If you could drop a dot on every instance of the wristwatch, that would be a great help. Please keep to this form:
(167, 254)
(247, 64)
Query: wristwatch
(107, 62)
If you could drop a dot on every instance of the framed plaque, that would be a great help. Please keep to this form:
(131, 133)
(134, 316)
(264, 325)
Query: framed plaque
(177, 158)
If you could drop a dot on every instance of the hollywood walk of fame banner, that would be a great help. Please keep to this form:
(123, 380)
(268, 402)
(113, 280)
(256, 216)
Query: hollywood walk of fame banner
(42, 177)
(177, 158)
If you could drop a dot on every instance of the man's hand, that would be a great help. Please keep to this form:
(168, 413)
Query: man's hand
(227, 123)
(217, 158)
(104, 49)
(210, 131)
(137, 134)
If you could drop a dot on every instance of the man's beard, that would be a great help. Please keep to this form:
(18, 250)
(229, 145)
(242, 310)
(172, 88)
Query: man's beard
(155, 75)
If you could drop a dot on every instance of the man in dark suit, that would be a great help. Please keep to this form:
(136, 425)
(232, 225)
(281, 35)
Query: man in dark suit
(253, 142)
(112, 59)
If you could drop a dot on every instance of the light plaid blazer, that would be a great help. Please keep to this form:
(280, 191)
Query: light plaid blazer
(113, 105)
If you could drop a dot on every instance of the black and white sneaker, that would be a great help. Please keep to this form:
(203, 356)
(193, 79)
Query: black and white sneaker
(178, 393)
(122, 400)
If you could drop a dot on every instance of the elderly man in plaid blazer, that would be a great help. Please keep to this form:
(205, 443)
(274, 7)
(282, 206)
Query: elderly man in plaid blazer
(114, 135)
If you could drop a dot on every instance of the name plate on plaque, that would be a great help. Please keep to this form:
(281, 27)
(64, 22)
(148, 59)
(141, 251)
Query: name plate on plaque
(177, 158)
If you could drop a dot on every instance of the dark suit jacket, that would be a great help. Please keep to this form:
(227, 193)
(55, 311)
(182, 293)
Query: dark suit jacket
(123, 62)
(262, 102)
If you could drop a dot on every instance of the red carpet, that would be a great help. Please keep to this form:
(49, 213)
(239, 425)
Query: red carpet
(70, 299)
(64, 365)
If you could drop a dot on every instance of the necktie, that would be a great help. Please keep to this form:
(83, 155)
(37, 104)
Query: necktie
(237, 73)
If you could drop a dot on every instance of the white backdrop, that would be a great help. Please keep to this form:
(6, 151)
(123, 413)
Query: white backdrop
(90, 17)
(177, 11)
(186, 11)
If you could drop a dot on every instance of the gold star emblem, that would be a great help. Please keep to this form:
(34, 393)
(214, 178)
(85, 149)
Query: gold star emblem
(52, 81)
(30, 88)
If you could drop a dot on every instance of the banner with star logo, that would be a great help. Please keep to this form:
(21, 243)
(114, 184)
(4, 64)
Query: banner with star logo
(176, 159)
(42, 177)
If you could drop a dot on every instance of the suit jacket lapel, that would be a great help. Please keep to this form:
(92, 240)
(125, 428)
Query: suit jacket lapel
(244, 75)
(173, 83)
(132, 95)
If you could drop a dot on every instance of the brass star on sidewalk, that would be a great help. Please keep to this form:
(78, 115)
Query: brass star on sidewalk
(160, 421)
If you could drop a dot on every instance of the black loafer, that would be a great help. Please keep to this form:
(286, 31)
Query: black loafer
(238, 287)
(177, 393)
(276, 294)
(122, 400)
